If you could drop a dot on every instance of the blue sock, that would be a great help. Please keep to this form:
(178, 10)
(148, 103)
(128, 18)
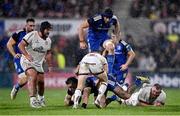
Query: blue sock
(113, 98)
(110, 60)
(138, 82)
(17, 86)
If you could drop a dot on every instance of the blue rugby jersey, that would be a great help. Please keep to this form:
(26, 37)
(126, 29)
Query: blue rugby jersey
(18, 36)
(121, 54)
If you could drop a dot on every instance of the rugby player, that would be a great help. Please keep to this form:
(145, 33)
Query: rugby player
(34, 47)
(12, 46)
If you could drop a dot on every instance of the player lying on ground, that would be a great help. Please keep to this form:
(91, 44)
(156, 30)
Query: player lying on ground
(119, 91)
(148, 95)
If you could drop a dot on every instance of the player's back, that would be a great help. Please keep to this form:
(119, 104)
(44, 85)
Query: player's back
(94, 58)
(18, 36)
(98, 26)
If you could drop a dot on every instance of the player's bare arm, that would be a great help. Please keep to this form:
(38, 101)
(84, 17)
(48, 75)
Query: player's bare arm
(10, 45)
(82, 41)
(49, 60)
(131, 56)
(22, 46)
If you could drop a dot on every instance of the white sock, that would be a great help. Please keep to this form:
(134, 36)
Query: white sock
(77, 95)
(102, 90)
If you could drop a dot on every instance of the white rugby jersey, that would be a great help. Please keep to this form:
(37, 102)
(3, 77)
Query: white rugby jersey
(94, 58)
(37, 47)
(144, 95)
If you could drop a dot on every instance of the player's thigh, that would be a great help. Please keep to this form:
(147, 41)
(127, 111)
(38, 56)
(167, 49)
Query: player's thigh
(81, 81)
(94, 45)
(121, 76)
(18, 66)
(103, 77)
(83, 69)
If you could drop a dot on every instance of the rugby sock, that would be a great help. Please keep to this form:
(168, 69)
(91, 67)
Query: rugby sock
(17, 86)
(101, 90)
(113, 98)
(138, 82)
(77, 95)
(110, 60)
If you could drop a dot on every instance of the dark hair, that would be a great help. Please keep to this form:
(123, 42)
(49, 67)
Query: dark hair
(71, 80)
(45, 25)
(108, 13)
(30, 20)
(157, 86)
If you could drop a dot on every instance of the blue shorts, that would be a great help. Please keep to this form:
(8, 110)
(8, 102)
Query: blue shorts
(95, 41)
(120, 76)
(17, 65)
(111, 83)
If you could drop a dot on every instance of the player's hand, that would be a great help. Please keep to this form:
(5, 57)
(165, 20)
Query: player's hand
(83, 45)
(29, 57)
(123, 67)
(157, 104)
(50, 69)
(17, 55)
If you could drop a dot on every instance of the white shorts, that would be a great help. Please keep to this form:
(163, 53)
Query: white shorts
(133, 100)
(90, 68)
(27, 65)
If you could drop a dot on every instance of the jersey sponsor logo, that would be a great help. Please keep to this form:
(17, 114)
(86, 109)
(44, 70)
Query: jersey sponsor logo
(39, 49)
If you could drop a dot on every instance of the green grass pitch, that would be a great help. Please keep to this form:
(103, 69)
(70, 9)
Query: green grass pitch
(54, 101)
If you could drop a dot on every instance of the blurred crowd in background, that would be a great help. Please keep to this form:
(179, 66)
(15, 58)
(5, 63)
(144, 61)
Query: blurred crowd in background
(160, 51)
(52, 8)
(155, 9)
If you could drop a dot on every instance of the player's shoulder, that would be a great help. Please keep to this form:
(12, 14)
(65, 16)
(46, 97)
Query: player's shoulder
(123, 43)
(115, 17)
(97, 17)
(49, 40)
(20, 31)
(163, 93)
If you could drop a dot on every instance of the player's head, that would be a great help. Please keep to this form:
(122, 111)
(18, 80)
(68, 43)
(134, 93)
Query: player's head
(72, 82)
(156, 90)
(30, 24)
(107, 14)
(45, 29)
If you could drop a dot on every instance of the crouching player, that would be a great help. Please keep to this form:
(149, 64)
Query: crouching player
(90, 87)
(146, 96)
(91, 64)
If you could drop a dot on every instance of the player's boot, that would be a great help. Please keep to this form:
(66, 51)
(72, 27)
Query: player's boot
(143, 79)
(34, 103)
(14, 92)
(41, 101)
(75, 106)
(97, 103)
